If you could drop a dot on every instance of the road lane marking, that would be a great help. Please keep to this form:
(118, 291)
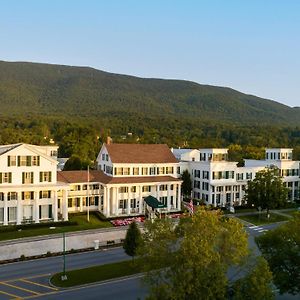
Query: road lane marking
(39, 284)
(20, 288)
(254, 226)
(11, 295)
(31, 277)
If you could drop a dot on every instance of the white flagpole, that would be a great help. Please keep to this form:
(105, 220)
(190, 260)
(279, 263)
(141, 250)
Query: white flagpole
(88, 196)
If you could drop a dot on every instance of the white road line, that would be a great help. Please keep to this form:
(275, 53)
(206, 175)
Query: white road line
(253, 226)
(258, 228)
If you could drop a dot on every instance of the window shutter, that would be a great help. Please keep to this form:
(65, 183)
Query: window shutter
(23, 195)
(31, 177)
(40, 211)
(19, 160)
(41, 194)
(0, 177)
(50, 211)
(23, 177)
(9, 177)
(38, 160)
(28, 161)
(8, 160)
(41, 176)
(50, 179)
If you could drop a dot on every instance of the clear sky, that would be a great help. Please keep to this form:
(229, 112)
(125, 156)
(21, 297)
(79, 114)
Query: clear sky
(249, 45)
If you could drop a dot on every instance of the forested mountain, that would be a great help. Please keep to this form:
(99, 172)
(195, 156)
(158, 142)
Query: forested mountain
(31, 88)
(78, 107)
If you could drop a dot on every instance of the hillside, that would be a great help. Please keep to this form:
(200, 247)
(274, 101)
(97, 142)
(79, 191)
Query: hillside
(28, 89)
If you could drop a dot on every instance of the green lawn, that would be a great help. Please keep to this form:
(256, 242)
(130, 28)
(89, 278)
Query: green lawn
(96, 273)
(291, 212)
(262, 218)
(80, 219)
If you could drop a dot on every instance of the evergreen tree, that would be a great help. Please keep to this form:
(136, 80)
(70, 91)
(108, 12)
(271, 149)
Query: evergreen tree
(132, 240)
(186, 186)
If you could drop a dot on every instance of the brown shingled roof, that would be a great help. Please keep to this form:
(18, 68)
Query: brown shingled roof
(140, 153)
(142, 179)
(81, 176)
(99, 176)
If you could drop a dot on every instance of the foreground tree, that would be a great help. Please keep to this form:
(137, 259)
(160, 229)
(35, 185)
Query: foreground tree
(281, 248)
(191, 261)
(256, 284)
(132, 240)
(266, 190)
(186, 186)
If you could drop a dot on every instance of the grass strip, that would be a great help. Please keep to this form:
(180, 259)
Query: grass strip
(96, 273)
(82, 224)
(261, 219)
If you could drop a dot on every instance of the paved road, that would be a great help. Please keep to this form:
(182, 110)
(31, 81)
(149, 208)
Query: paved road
(29, 280)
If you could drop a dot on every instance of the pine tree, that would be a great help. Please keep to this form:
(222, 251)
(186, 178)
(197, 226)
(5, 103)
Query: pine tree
(132, 240)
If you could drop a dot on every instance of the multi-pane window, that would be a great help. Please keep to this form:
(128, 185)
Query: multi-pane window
(169, 170)
(28, 160)
(27, 195)
(27, 177)
(133, 203)
(135, 171)
(144, 171)
(160, 171)
(5, 177)
(45, 176)
(45, 194)
(11, 161)
(152, 171)
(163, 187)
(223, 175)
(123, 189)
(133, 189)
(123, 203)
(12, 214)
(146, 188)
(12, 196)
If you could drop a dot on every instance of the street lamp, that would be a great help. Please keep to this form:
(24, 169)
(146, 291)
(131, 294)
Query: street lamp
(64, 275)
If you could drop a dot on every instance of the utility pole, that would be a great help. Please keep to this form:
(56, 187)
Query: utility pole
(64, 275)
(88, 192)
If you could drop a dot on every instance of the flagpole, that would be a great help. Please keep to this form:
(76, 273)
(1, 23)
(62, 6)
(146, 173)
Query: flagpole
(88, 196)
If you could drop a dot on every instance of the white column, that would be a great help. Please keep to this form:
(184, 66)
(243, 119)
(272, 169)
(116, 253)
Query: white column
(128, 202)
(179, 197)
(65, 205)
(19, 208)
(104, 201)
(55, 207)
(157, 192)
(5, 212)
(108, 202)
(293, 190)
(141, 204)
(168, 197)
(116, 201)
(36, 208)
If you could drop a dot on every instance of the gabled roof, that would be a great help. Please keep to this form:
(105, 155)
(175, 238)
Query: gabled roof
(6, 148)
(140, 153)
(82, 176)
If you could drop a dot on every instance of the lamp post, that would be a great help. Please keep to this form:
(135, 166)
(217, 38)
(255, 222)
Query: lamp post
(88, 196)
(64, 275)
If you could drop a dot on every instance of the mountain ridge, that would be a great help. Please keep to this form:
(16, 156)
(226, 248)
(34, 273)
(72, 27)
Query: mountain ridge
(33, 88)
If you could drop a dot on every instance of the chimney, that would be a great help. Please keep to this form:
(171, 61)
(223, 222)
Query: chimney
(109, 140)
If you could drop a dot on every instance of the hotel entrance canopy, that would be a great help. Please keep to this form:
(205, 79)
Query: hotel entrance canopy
(153, 202)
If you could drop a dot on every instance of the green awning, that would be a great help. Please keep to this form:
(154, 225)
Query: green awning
(153, 202)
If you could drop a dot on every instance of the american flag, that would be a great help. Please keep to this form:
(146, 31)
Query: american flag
(190, 206)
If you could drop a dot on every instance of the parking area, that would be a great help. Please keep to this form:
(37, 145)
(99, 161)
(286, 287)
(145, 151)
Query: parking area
(26, 288)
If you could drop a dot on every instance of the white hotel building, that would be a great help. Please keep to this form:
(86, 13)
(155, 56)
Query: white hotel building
(220, 182)
(31, 189)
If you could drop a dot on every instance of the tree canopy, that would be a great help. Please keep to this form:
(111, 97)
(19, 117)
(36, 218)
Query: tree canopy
(281, 248)
(266, 190)
(191, 260)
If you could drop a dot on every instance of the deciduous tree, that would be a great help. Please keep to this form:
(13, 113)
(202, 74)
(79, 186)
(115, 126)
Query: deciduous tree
(281, 248)
(266, 190)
